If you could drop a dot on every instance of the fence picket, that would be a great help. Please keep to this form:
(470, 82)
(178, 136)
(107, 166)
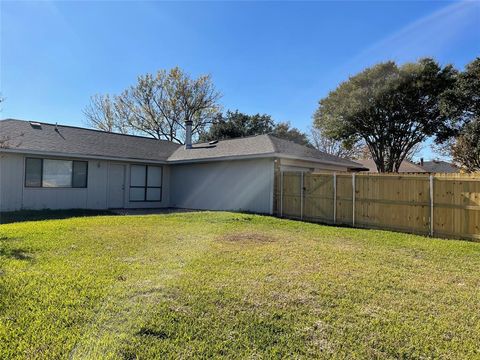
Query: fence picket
(446, 205)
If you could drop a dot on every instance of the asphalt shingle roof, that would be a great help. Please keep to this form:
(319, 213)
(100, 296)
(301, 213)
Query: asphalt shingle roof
(80, 141)
(439, 166)
(254, 145)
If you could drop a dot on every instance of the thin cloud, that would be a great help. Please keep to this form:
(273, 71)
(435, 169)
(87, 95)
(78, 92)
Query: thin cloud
(432, 34)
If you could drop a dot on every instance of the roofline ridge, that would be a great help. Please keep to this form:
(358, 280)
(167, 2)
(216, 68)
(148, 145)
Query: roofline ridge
(231, 139)
(269, 136)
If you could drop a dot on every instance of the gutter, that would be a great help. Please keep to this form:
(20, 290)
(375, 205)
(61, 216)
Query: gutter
(270, 155)
(81, 156)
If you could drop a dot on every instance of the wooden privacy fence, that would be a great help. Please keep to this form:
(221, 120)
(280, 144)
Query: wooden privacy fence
(444, 205)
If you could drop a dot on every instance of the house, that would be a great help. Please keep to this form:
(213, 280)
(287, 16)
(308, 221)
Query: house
(405, 166)
(61, 167)
(439, 166)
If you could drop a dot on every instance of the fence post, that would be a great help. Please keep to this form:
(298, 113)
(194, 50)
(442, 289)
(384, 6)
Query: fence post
(431, 205)
(281, 193)
(301, 195)
(353, 199)
(334, 197)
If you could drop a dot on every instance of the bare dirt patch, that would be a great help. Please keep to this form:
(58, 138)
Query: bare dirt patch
(247, 237)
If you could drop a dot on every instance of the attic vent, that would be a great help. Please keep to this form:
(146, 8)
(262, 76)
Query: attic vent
(213, 142)
(36, 125)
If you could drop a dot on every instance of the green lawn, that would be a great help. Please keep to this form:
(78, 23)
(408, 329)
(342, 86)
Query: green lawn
(213, 284)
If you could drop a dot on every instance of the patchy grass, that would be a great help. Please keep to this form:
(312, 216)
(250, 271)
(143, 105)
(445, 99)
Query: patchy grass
(201, 285)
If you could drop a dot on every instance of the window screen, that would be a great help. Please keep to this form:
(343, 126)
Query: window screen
(138, 175)
(79, 177)
(33, 172)
(145, 183)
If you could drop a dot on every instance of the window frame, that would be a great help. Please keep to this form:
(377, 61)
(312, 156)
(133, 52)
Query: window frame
(41, 174)
(146, 187)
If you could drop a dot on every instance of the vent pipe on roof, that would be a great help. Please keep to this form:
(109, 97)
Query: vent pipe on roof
(188, 134)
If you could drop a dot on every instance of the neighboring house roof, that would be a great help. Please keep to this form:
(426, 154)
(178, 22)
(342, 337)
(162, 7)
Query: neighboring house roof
(439, 166)
(53, 139)
(405, 166)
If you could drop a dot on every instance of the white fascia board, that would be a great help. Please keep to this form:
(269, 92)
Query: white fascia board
(306, 158)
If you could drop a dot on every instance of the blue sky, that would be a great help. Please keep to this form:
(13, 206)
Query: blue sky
(277, 58)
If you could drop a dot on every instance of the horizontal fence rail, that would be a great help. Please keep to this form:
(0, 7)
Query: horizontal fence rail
(444, 205)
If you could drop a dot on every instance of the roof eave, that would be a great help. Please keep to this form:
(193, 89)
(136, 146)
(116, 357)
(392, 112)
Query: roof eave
(80, 156)
(223, 158)
(352, 166)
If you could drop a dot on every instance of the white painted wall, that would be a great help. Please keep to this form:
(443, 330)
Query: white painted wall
(245, 185)
(15, 196)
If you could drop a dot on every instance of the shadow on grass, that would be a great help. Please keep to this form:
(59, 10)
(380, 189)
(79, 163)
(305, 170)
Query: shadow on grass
(17, 254)
(37, 215)
(158, 334)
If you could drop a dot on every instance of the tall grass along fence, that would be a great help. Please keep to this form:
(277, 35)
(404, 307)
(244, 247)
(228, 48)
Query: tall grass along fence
(444, 205)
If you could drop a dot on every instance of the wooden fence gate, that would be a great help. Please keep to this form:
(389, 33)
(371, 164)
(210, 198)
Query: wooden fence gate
(444, 205)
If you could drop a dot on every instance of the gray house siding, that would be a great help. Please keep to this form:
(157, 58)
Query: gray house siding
(245, 185)
(11, 181)
(15, 196)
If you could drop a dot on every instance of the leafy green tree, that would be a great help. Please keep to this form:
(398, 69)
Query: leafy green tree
(234, 124)
(466, 149)
(284, 130)
(461, 104)
(158, 106)
(390, 108)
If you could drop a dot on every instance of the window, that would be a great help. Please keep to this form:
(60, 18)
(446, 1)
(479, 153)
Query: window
(79, 175)
(33, 172)
(54, 173)
(145, 183)
(57, 173)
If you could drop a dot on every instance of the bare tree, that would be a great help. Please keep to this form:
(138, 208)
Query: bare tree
(158, 106)
(335, 147)
(414, 151)
(8, 142)
(102, 114)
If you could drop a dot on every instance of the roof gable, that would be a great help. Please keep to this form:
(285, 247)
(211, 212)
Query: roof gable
(290, 148)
